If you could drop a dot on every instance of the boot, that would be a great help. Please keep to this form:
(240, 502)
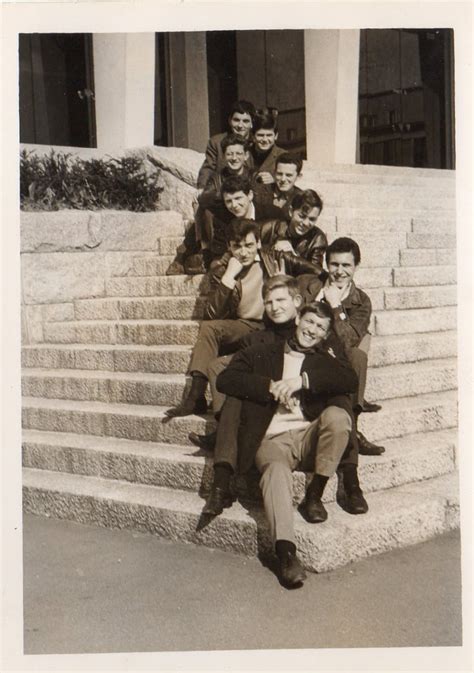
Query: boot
(206, 442)
(195, 402)
(220, 495)
(312, 509)
(349, 493)
(292, 573)
(367, 448)
(176, 268)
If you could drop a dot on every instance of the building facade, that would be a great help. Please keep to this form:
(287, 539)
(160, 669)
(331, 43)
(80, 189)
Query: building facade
(344, 96)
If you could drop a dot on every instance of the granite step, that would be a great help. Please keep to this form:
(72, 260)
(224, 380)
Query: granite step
(398, 517)
(411, 458)
(411, 321)
(429, 296)
(427, 257)
(424, 275)
(398, 417)
(384, 350)
(402, 380)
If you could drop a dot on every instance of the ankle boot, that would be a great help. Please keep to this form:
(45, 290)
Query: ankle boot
(195, 402)
(292, 573)
(312, 508)
(350, 496)
(220, 495)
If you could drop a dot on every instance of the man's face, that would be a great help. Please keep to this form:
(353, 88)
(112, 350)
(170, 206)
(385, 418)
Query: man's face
(303, 220)
(245, 250)
(238, 203)
(235, 157)
(265, 139)
(280, 306)
(311, 329)
(285, 176)
(341, 268)
(241, 124)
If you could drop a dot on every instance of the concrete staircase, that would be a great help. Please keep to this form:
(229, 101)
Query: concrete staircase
(98, 449)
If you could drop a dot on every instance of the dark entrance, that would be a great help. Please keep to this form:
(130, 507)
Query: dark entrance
(406, 98)
(57, 89)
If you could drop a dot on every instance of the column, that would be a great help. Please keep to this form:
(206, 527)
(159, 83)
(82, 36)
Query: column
(332, 92)
(124, 74)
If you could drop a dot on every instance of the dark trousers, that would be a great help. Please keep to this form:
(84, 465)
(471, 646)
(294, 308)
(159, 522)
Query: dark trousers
(358, 358)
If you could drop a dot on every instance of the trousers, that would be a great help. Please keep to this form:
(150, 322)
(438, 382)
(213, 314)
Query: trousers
(316, 448)
(358, 357)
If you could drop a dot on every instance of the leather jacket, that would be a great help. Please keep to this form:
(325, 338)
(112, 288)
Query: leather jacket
(310, 246)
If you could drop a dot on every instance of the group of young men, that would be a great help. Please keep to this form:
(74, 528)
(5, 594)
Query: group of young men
(284, 342)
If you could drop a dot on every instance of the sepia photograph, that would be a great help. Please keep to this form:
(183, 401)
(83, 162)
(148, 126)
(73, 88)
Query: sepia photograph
(237, 265)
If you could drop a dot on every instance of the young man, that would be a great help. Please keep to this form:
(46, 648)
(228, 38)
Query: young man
(352, 310)
(295, 415)
(235, 305)
(240, 123)
(280, 193)
(265, 152)
(300, 234)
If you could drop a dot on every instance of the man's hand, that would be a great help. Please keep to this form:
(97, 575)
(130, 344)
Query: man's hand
(284, 246)
(284, 389)
(333, 294)
(266, 178)
(234, 267)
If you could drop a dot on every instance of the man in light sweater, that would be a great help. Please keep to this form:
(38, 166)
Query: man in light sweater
(235, 304)
(296, 414)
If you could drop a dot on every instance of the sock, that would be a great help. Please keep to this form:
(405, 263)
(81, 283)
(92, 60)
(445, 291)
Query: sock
(317, 485)
(284, 547)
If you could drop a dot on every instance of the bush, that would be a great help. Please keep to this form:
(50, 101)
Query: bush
(57, 181)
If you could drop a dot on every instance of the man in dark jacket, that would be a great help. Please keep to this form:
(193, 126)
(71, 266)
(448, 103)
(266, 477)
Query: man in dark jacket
(352, 310)
(283, 189)
(264, 151)
(295, 414)
(235, 304)
(300, 234)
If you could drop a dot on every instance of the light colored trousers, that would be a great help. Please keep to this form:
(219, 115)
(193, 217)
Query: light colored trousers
(316, 448)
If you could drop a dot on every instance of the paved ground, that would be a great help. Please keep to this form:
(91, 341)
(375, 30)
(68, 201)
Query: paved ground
(94, 590)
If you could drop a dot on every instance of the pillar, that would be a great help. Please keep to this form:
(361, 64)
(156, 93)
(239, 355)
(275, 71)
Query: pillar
(124, 74)
(332, 93)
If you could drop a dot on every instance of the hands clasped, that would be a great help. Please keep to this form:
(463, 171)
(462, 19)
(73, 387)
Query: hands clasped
(284, 391)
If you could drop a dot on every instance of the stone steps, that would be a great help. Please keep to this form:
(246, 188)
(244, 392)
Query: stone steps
(384, 350)
(402, 380)
(189, 308)
(181, 332)
(412, 458)
(400, 516)
(398, 417)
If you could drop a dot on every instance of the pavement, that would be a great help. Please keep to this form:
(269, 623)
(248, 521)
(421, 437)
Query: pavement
(91, 590)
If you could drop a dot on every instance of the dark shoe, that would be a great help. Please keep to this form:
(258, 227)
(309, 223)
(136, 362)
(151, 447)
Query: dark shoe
(370, 407)
(367, 448)
(292, 572)
(312, 509)
(207, 442)
(188, 407)
(218, 499)
(176, 268)
(194, 264)
(355, 503)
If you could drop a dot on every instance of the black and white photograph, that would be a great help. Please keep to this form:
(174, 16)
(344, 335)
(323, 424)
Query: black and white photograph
(235, 334)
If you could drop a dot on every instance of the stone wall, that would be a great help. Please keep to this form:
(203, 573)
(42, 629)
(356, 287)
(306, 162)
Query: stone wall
(69, 254)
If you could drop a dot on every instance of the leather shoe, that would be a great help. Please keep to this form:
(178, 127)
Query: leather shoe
(370, 407)
(176, 268)
(355, 503)
(313, 509)
(207, 442)
(367, 448)
(292, 572)
(218, 499)
(188, 407)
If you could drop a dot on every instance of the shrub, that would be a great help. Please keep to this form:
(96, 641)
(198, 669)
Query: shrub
(55, 181)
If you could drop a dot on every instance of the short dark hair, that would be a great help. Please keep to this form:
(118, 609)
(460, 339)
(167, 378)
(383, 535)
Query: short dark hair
(239, 229)
(242, 107)
(234, 139)
(287, 158)
(266, 118)
(235, 183)
(306, 201)
(281, 280)
(321, 309)
(343, 244)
